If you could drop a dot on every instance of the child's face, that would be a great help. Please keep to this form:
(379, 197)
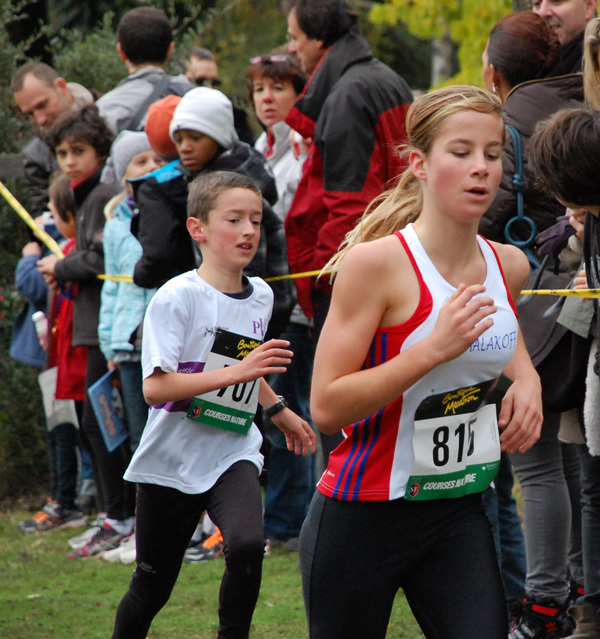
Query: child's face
(77, 159)
(231, 235)
(195, 149)
(143, 163)
(66, 229)
(594, 209)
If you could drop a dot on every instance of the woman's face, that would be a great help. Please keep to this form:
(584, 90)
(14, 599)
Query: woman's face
(462, 170)
(273, 99)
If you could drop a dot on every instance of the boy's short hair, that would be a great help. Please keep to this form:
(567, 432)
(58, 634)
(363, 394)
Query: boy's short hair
(563, 153)
(206, 188)
(61, 194)
(145, 35)
(85, 125)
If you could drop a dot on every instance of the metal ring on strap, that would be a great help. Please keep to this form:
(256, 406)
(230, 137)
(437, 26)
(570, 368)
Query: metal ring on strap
(518, 182)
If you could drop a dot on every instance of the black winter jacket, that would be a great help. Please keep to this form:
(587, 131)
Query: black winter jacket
(168, 250)
(87, 262)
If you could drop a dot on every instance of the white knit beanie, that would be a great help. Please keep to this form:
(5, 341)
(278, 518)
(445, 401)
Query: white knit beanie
(125, 147)
(207, 111)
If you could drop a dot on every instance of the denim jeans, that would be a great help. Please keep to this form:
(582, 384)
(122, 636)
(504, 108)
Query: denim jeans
(590, 526)
(62, 450)
(136, 408)
(291, 478)
(547, 514)
(321, 302)
(572, 469)
(501, 509)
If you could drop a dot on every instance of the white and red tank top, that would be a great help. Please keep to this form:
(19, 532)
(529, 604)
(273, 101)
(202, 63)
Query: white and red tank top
(439, 439)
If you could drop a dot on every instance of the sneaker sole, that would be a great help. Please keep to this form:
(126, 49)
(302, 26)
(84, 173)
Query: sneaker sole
(73, 523)
(114, 556)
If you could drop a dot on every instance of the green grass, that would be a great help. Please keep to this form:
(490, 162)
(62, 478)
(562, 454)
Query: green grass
(44, 595)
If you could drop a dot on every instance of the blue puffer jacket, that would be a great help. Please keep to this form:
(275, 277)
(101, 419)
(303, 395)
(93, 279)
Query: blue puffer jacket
(123, 304)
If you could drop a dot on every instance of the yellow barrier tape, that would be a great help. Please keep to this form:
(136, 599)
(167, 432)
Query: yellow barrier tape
(565, 292)
(115, 278)
(291, 276)
(26, 217)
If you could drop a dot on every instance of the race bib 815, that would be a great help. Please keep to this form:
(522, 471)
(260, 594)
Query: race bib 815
(456, 444)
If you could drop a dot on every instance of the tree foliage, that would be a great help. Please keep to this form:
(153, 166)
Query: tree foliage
(467, 22)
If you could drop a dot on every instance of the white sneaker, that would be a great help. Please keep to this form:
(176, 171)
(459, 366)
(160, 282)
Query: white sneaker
(128, 550)
(116, 554)
(81, 540)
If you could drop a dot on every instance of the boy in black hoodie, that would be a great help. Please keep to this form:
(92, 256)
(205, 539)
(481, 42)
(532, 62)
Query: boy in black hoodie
(203, 132)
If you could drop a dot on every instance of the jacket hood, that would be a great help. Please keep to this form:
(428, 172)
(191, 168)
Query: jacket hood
(242, 158)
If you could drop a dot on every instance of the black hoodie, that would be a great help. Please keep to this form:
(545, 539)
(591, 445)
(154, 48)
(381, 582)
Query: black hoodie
(168, 250)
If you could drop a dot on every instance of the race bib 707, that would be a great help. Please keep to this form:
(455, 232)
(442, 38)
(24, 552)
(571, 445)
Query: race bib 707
(233, 407)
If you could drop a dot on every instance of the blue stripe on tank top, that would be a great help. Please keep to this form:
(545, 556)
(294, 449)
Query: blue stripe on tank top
(353, 458)
(363, 463)
(355, 438)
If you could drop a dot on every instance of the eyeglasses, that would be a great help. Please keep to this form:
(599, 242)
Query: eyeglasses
(269, 59)
(213, 83)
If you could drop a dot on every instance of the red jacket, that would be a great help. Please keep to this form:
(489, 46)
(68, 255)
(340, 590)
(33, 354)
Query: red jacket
(70, 360)
(354, 109)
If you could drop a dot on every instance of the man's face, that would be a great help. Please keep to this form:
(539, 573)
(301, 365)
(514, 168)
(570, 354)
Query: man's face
(43, 102)
(309, 51)
(202, 73)
(567, 17)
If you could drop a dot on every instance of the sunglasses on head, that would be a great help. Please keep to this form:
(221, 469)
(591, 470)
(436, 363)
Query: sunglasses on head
(212, 83)
(268, 59)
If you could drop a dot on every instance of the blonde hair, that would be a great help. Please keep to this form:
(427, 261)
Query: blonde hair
(402, 204)
(591, 71)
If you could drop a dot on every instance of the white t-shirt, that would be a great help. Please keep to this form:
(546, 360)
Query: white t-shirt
(179, 330)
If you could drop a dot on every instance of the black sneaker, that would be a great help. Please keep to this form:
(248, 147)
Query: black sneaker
(576, 591)
(542, 621)
(211, 548)
(51, 517)
(195, 547)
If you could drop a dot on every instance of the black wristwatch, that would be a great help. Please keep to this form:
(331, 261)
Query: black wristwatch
(276, 408)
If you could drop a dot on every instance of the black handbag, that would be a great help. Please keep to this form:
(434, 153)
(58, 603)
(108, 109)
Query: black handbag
(559, 355)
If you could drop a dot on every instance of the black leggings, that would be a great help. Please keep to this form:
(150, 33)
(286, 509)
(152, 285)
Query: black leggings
(117, 497)
(165, 522)
(355, 556)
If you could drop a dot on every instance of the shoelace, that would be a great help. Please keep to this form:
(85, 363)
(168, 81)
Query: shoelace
(40, 517)
(213, 540)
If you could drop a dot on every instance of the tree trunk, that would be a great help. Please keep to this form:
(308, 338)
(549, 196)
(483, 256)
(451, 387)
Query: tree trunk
(441, 58)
